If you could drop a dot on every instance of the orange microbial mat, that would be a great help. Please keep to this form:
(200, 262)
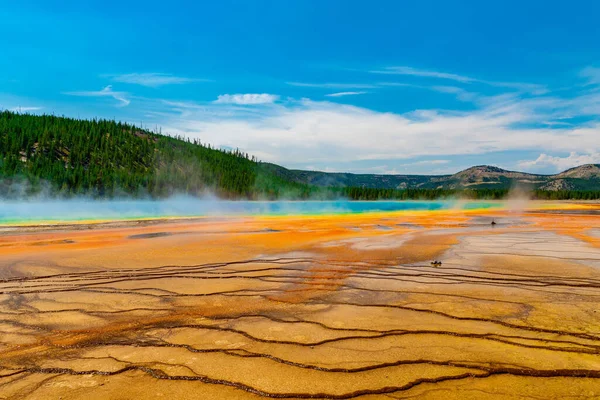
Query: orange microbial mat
(295, 307)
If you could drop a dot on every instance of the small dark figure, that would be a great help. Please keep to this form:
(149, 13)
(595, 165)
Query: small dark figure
(493, 222)
(436, 263)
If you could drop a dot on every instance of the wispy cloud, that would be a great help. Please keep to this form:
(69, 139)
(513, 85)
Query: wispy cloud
(341, 94)
(400, 84)
(532, 88)
(423, 73)
(153, 79)
(425, 162)
(410, 71)
(591, 74)
(330, 85)
(559, 164)
(247, 98)
(106, 92)
(460, 93)
(214, 110)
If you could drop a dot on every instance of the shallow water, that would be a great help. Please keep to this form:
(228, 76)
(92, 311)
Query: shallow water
(73, 210)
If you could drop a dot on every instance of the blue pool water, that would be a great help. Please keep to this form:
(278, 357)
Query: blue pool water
(73, 210)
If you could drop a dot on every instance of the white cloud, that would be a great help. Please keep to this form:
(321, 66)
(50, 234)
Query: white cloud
(248, 98)
(24, 109)
(106, 92)
(341, 94)
(561, 163)
(335, 85)
(308, 132)
(153, 79)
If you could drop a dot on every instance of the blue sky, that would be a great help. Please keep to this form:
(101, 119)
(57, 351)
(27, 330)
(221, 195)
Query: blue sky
(374, 87)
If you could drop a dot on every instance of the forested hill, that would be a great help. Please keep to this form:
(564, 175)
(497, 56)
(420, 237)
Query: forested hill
(106, 158)
(99, 158)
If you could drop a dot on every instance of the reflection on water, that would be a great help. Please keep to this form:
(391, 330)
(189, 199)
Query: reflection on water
(70, 210)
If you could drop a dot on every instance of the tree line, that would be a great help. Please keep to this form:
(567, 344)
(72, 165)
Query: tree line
(360, 193)
(105, 158)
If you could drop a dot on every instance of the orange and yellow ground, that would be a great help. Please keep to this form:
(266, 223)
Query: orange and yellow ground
(333, 307)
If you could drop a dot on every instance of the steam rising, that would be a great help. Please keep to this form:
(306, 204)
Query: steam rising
(518, 199)
(183, 206)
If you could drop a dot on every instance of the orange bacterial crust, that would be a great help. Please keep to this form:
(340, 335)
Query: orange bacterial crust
(335, 307)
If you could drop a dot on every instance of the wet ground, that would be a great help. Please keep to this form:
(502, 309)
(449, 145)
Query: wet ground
(334, 307)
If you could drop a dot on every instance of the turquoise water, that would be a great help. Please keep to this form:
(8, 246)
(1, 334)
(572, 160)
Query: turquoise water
(74, 210)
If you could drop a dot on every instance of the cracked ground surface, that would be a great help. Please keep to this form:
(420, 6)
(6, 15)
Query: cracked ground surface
(333, 307)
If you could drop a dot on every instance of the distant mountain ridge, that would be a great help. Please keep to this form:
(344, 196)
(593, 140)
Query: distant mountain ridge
(584, 177)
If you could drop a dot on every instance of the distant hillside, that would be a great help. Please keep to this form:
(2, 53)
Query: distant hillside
(344, 179)
(585, 177)
(100, 158)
